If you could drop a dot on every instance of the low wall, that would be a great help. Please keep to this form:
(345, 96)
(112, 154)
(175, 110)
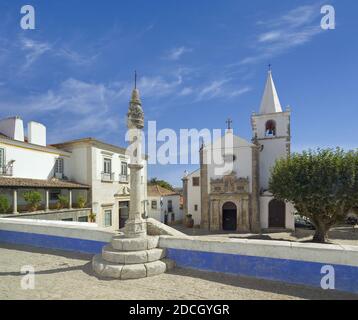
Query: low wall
(59, 214)
(297, 263)
(70, 236)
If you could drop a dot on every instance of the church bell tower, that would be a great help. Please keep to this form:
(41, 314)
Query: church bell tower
(271, 131)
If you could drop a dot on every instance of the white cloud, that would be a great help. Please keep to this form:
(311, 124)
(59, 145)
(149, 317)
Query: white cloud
(34, 50)
(220, 88)
(176, 53)
(294, 28)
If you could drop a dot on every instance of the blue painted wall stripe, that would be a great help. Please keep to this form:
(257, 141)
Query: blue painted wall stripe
(52, 242)
(291, 271)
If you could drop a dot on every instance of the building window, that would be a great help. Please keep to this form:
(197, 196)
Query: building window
(83, 219)
(54, 195)
(67, 219)
(108, 218)
(154, 204)
(107, 165)
(196, 181)
(59, 167)
(3, 169)
(173, 217)
(195, 207)
(170, 206)
(124, 168)
(270, 129)
(2, 158)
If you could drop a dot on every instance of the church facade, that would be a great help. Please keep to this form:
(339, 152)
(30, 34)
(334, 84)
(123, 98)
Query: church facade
(232, 194)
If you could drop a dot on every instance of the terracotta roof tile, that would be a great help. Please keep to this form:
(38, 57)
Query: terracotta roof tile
(36, 183)
(155, 190)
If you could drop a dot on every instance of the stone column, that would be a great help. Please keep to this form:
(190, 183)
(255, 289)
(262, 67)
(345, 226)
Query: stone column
(204, 192)
(135, 225)
(14, 201)
(185, 197)
(47, 199)
(255, 223)
(70, 199)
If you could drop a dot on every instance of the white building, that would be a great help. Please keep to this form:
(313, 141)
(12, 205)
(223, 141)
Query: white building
(103, 167)
(28, 163)
(193, 201)
(94, 170)
(234, 192)
(164, 205)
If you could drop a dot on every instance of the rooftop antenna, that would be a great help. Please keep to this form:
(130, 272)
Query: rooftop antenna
(135, 79)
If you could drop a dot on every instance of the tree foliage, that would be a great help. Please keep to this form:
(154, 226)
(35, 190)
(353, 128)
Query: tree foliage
(322, 185)
(33, 198)
(4, 204)
(162, 183)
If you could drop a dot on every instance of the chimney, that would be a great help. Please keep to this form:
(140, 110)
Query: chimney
(13, 128)
(36, 133)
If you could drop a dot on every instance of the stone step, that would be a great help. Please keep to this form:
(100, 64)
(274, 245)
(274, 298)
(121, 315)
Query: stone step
(132, 257)
(130, 271)
(134, 244)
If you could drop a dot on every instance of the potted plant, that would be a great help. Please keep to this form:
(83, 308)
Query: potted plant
(62, 202)
(92, 217)
(189, 221)
(33, 199)
(81, 202)
(4, 204)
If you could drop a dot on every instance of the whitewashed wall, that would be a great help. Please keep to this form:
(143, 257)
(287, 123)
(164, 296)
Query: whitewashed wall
(194, 197)
(30, 163)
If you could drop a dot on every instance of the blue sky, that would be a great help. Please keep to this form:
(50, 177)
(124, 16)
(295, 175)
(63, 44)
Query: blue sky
(199, 62)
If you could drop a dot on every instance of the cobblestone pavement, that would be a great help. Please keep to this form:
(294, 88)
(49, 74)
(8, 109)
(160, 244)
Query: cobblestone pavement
(61, 275)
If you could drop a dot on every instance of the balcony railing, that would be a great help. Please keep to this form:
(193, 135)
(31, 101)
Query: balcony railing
(124, 178)
(6, 171)
(107, 177)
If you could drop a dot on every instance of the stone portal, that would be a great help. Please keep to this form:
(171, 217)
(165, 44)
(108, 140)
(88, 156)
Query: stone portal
(229, 214)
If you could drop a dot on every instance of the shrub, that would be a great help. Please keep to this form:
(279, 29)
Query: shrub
(33, 199)
(81, 202)
(92, 217)
(62, 202)
(4, 204)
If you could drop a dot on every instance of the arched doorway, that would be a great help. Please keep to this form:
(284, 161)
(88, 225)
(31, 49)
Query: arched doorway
(277, 214)
(229, 216)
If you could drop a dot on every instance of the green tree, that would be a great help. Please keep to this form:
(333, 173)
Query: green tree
(162, 183)
(322, 185)
(33, 199)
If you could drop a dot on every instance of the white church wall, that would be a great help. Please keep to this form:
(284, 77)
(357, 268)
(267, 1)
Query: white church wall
(264, 213)
(242, 150)
(273, 149)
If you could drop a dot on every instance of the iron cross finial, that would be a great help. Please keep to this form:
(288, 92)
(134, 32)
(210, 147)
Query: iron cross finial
(135, 79)
(229, 123)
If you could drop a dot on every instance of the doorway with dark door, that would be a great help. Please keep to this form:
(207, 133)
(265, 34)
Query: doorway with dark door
(123, 213)
(229, 216)
(277, 214)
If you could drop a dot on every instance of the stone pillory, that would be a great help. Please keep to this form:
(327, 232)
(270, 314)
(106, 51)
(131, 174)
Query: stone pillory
(133, 254)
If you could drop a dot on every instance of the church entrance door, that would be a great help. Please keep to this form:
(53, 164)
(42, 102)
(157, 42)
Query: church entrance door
(277, 214)
(229, 216)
